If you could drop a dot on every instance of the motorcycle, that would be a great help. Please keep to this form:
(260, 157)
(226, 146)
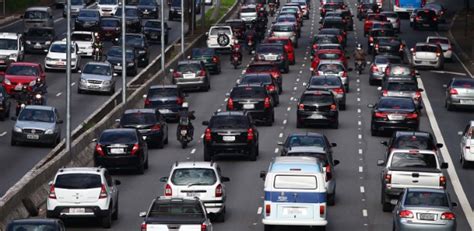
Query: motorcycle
(184, 136)
(236, 56)
(38, 99)
(20, 105)
(97, 54)
(359, 66)
(272, 8)
(250, 43)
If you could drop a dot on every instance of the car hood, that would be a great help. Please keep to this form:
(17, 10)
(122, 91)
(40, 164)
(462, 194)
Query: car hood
(84, 19)
(7, 52)
(34, 125)
(21, 78)
(146, 7)
(95, 77)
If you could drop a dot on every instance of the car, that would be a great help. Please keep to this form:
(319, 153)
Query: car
(266, 67)
(374, 35)
(152, 31)
(38, 39)
(467, 155)
(175, 10)
(211, 59)
(167, 99)
(191, 74)
(424, 209)
(387, 25)
(418, 140)
(304, 7)
(311, 139)
(287, 44)
(97, 77)
(87, 20)
(289, 19)
(274, 53)
(148, 9)
(364, 9)
(11, 49)
(264, 79)
(56, 57)
(402, 88)
(330, 6)
(83, 192)
(21, 74)
(394, 113)
(333, 68)
(292, 10)
(389, 45)
(107, 7)
(38, 16)
(114, 57)
(393, 18)
(341, 34)
(254, 99)
(370, 19)
(333, 22)
(132, 18)
(428, 55)
(327, 46)
(424, 18)
(459, 93)
(149, 122)
(208, 2)
(285, 30)
(378, 66)
(187, 214)
(330, 83)
(76, 6)
(319, 40)
(248, 13)
(445, 44)
(322, 54)
(139, 43)
(399, 72)
(439, 9)
(347, 16)
(37, 124)
(85, 41)
(317, 107)
(230, 132)
(238, 27)
(36, 223)
(110, 28)
(121, 148)
(220, 37)
(199, 179)
(5, 104)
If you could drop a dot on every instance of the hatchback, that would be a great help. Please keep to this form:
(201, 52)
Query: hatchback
(394, 113)
(149, 122)
(191, 74)
(209, 56)
(167, 99)
(334, 68)
(264, 79)
(318, 107)
(445, 44)
(266, 67)
(273, 53)
(428, 55)
(331, 83)
(379, 65)
(97, 77)
(425, 18)
(459, 93)
(402, 88)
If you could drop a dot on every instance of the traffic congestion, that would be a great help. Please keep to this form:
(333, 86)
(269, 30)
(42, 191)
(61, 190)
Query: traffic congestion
(248, 130)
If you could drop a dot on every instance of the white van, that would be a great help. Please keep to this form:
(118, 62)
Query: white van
(295, 193)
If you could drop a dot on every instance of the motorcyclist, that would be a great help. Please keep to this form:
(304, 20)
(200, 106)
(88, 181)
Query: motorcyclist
(40, 88)
(359, 55)
(250, 32)
(24, 95)
(236, 48)
(184, 119)
(97, 45)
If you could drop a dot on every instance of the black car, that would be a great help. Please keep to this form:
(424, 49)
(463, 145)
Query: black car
(149, 122)
(264, 79)
(148, 8)
(110, 28)
(38, 39)
(132, 18)
(139, 43)
(230, 132)
(334, 22)
(394, 113)
(266, 67)
(317, 107)
(255, 99)
(36, 224)
(311, 139)
(389, 45)
(238, 27)
(374, 34)
(365, 8)
(323, 39)
(210, 58)
(347, 16)
(152, 31)
(331, 6)
(88, 20)
(418, 140)
(114, 57)
(121, 148)
(425, 18)
(330, 83)
(273, 52)
(167, 99)
(4, 104)
(341, 35)
(175, 10)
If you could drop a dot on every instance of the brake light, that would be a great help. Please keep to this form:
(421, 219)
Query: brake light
(287, 48)
(435, 18)
(215, 59)
(135, 148)
(143, 227)
(339, 90)
(417, 95)
(270, 88)
(52, 192)
(388, 178)
(412, 116)
(385, 92)
(266, 104)
(103, 192)
(405, 214)
(168, 190)
(401, 47)
(448, 216)
(371, 39)
(453, 91)
(376, 46)
(250, 134)
(230, 104)
(274, 74)
(333, 107)
(315, 46)
(344, 74)
(156, 127)
(202, 73)
(176, 74)
(417, 18)
(442, 181)
(380, 115)
(180, 100)
(328, 173)
(450, 48)
(301, 106)
(203, 227)
(374, 68)
(99, 150)
(268, 209)
(322, 210)
(147, 102)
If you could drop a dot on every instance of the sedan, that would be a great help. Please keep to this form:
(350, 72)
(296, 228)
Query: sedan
(274, 53)
(317, 107)
(334, 68)
(88, 20)
(389, 45)
(266, 67)
(459, 93)
(191, 74)
(264, 79)
(312, 139)
(377, 68)
(399, 72)
(97, 77)
(328, 55)
(397, 88)
(139, 43)
(114, 57)
(167, 99)
(148, 8)
(38, 39)
(285, 30)
(21, 74)
(110, 28)
(132, 18)
(149, 122)
(152, 31)
(394, 113)
(287, 44)
(210, 58)
(330, 83)
(439, 9)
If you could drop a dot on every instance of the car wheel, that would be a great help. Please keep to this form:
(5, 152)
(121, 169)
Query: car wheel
(115, 214)
(220, 217)
(253, 154)
(107, 220)
(141, 168)
(386, 207)
(343, 107)
(335, 125)
(371, 82)
(13, 142)
(331, 199)
(267, 227)
(166, 140)
(207, 154)
(160, 144)
(374, 132)
(464, 163)
(79, 91)
(449, 106)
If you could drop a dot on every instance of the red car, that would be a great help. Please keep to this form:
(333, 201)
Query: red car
(327, 54)
(287, 44)
(22, 73)
(266, 67)
(331, 6)
(370, 19)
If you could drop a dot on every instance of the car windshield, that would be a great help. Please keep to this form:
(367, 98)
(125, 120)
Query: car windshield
(40, 33)
(298, 141)
(163, 92)
(329, 55)
(134, 40)
(249, 79)
(269, 49)
(379, 33)
(109, 23)
(32, 226)
(60, 48)
(217, 31)
(248, 92)
(193, 176)
(8, 44)
(108, 2)
(283, 28)
(81, 37)
(329, 67)
(88, 14)
(426, 199)
(286, 19)
(154, 24)
(22, 70)
(129, 12)
(438, 40)
(147, 2)
(190, 67)
(426, 48)
(248, 10)
(226, 122)
(461, 83)
(333, 24)
(402, 86)
(413, 142)
(198, 52)
(117, 52)
(120, 137)
(77, 2)
(190, 210)
(396, 103)
(78, 181)
(321, 81)
(32, 14)
(94, 69)
(176, 3)
(413, 160)
(138, 118)
(317, 98)
(36, 115)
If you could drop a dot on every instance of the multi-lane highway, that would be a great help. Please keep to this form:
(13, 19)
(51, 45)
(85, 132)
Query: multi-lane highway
(16, 161)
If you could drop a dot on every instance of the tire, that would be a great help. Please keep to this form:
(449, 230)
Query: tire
(141, 168)
(374, 132)
(112, 91)
(449, 106)
(184, 145)
(220, 217)
(145, 165)
(207, 154)
(13, 142)
(267, 227)
(160, 144)
(166, 140)
(335, 125)
(331, 200)
(342, 107)
(386, 207)
(271, 120)
(106, 221)
(464, 163)
(253, 154)
(115, 214)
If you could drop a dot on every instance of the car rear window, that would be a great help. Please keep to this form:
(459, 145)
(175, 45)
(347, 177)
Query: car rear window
(298, 141)
(413, 142)
(81, 37)
(394, 103)
(402, 86)
(78, 181)
(461, 83)
(249, 79)
(261, 68)
(426, 14)
(295, 182)
(320, 156)
(194, 67)
(413, 160)
(332, 6)
(426, 48)
(163, 92)
(320, 81)
(399, 71)
(283, 28)
(248, 92)
(438, 40)
(329, 55)
(220, 30)
(270, 49)
(176, 209)
(317, 98)
(327, 67)
(193, 176)
(229, 122)
(118, 137)
(333, 24)
(110, 23)
(426, 199)
(138, 118)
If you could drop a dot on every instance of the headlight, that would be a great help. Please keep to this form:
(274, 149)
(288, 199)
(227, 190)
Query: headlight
(7, 82)
(32, 83)
(17, 129)
(106, 82)
(49, 132)
(96, 49)
(48, 59)
(141, 52)
(130, 64)
(38, 96)
(28, 42)
(47, 42)
(83, 81)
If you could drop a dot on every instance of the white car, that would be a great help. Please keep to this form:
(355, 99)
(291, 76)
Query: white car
(208, 2)
(248, 13)
(84, 41)
(427, 55)
(220, 37)
(445, 44)
(198, 179)
(83, 193)
(467, 140)
(107, 7)
(11, 48)
(56, 57)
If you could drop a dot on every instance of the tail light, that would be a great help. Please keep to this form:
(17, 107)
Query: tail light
(388, 178)
(287, 48)
(405, 214)
(371, 39)
(270, 88)
(103, 192)
(207, 134)
(417, 95)
(450, 48)
(180, 100)
(52, 192)
(135, 148)
(453, 91)
(282, 57)
(156, 127)
(168, 190)
(435, 19)
(143, 227)
(250, 135)
(274, 74)
(385, 92)
(203, 227)
(417, 18)
(376, 46)
(230, 104)
(147, 102)
(412, 116)
(266, 104)
(344, 74)
(215, 59)
(218, 190)
(328, 173)
(202, 73)
(448, 216)
(339, 91)
(315, 46)
(301, 106)
(442, 181)
(339, 38)
(99, 150)
(438, 54)
(322, 210)
(176, 74)
(374, 68)
(333, 107)
(401, 47)
(268, 209)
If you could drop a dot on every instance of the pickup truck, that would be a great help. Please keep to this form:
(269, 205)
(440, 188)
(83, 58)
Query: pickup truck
(410, 169)
(176, 214)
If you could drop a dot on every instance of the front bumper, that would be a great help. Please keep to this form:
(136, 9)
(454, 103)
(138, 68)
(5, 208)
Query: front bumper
(86, 86)
(41, 138)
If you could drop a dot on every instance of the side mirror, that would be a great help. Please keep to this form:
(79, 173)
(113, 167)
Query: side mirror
(238, 81)
(454, 204)
(348, 57)
(350, 69)
(333, 145)
(336, 162)
(50, 183)
(370, 105)
(380, 162)
(164, 179)
(144, 96)
(439, 145)
(225, 179)
(227, 94)
(59, 121)
(385, 143)
(171, 70)
(263, 174)
(444, 165)
(420, 90)
(394, 201)
(205, 123)
(142, 214)
(207, 33)
(117, 182)
(379, 88)
(14, 118)
(460, 133)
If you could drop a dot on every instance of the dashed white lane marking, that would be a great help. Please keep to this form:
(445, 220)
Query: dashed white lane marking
(359, 136)
(364, 212)
(298, 79)
(361, 169)
(295, 88)
(304, 83)
(284, 121)
(288, 109)
(301, 71)
(303, 65)
(280, 135)
(360, 151)
(225, 100)
(59, 94)
(259, 210)
(202, 136)
(358, 80)
(219, 110)
(358, 99)
(359, 122)
(358, 110)
(291, 98)
(73, 83)
(358, 89)
(276, 150)
(193, 151)
(3, 133)
(362, 189)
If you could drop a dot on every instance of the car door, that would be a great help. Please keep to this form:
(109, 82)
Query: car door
(113, 191)
(163, 124)
(464, 138)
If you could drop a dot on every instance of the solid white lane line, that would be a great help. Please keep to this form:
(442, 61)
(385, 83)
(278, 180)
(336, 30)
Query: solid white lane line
(449, 72)
(464, 66)
(259, 210)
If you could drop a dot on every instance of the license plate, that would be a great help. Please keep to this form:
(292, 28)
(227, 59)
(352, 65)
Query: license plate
(184, 132)
(316, 116)
(94, 86)
(189, 76)
(37, 46)
(154, 36)
(228, 138)
(18, 87)
(249, 106)
(32, 136)
(396, 117)
(467, 101)
(77, 210)
(271, 58)
(192, 194)
(163, 111)
(118, 67)
(426, 24)
(427, 216)
(294, 211)
(117, 151)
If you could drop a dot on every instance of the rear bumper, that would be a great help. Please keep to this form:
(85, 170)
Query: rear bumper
(118, 162)
(405, 225)
(229, 148)
(215, 207)
(63, 212)
(395, 125)
(320, 222)
(461, 100)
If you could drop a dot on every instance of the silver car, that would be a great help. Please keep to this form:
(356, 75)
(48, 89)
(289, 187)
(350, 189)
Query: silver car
(444, 43)
(248, 13)
(459, 93)
(393, 18)
(37, 124)
(334, 68)
(98, 77)
(285, 30)
(427, 55)
(424, 209)
(402, 88)
(76, 6)
(377, 68)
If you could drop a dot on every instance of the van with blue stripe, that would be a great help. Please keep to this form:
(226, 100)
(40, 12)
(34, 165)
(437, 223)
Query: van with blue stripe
(295, 193)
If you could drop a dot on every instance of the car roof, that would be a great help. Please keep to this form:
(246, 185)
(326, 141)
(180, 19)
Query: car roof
(257, 74)
(189, 61)
(40, 107)
(119, 130)
(262, 63)
(163, 86)
(313, 149)
(194, 164)
(38, 8)
(96, 170)
(333, 18)
(435, 190)
(140, 110)
(304, 163)
(395, 98)
(413, 151)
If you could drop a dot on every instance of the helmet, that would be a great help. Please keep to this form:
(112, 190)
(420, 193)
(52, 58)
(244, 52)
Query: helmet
(359, 46)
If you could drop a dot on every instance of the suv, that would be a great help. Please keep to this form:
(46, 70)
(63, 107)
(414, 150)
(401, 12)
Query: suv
(191, 74)
(210, 58)
(167, 99)
(83, 193)
(230, 132)
(273, 52)
(11, 49)
(255, 99)
(199, 179)
(424, 18)
(220, 37)
(317, 107)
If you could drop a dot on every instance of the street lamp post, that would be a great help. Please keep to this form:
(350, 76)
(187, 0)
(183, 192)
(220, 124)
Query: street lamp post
(68, 77)
(182, 28)
(124, 61)
(163, 35)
